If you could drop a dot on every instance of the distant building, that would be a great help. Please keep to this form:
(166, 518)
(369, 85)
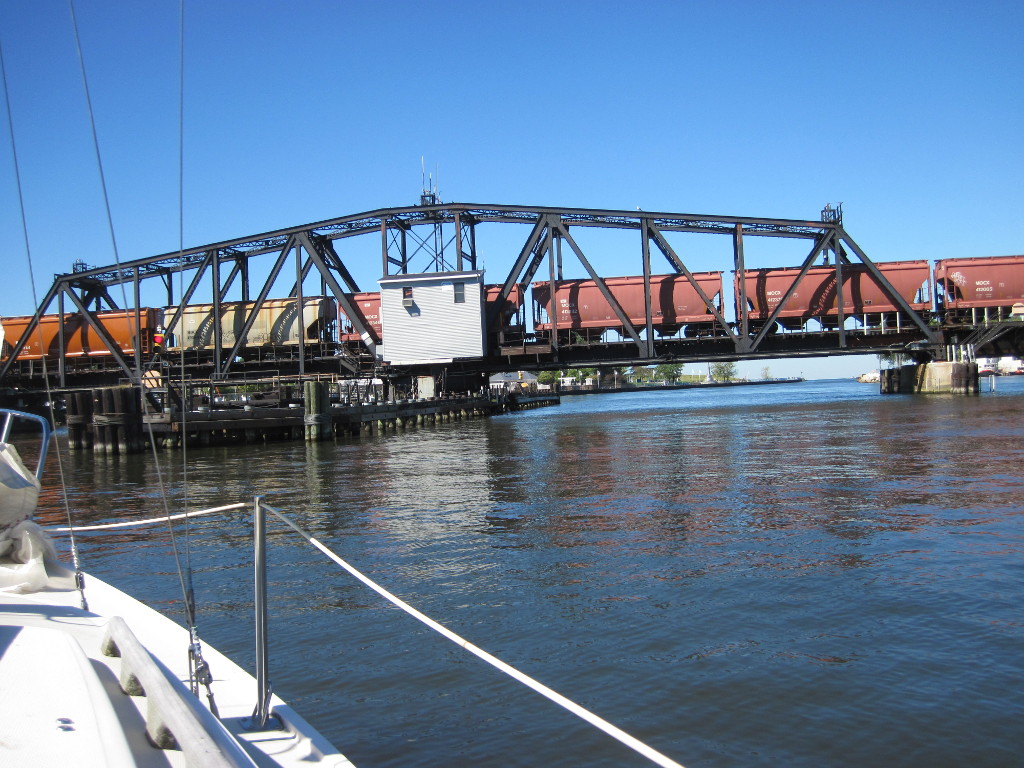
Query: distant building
(1004, 366)
(508, 379)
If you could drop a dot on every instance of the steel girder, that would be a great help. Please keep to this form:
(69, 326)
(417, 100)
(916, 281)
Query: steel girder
(386, 219)
(453, 228)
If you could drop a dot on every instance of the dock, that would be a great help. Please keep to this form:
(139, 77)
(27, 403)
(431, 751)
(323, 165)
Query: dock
(118, 420)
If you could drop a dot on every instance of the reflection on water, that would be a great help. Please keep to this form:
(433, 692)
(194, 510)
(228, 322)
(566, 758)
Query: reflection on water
(803, 575)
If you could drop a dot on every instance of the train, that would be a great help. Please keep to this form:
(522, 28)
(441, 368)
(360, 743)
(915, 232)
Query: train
(278, 323)
(963, 291)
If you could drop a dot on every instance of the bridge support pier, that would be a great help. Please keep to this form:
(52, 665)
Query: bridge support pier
(931, 378)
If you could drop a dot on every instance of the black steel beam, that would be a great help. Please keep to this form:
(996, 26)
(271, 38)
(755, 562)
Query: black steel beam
(55, 289)
(645, 254)
(406, 217)
(250, 318)
(603, 288)
(524, 258)
(104, 335)
(369, 336)
(929, 333)
(186, 297)
(805, 267)
(675, 261)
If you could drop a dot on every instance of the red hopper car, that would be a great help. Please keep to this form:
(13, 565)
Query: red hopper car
(816, 297)
(674, 303)
(368, 307)
(979, 287)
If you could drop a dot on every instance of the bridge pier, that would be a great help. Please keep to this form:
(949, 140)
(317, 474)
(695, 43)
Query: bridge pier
(937, 377)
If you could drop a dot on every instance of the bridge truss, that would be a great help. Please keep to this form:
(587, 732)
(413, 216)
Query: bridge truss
(438, 237)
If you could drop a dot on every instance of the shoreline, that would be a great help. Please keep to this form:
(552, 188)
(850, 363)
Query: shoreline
(564, 392)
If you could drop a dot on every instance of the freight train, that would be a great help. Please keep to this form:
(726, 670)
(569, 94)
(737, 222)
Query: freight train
(950, 292)
(953, 292)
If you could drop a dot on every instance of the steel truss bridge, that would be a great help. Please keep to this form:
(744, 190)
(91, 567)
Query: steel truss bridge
(439, 237)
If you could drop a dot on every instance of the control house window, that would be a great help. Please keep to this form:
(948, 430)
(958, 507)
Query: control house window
(460, 293)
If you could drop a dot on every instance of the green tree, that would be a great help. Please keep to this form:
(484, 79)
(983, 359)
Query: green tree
(668, 372)
(547, 377)
(723, 371)
(642, 373)
(892, 359)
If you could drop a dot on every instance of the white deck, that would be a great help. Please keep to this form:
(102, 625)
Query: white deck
(62, 704)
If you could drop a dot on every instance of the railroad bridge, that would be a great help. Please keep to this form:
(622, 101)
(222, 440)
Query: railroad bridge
(288, 301)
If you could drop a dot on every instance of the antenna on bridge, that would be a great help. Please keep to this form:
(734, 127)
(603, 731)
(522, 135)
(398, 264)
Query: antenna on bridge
(835, 215)
(428, 186)
(828, 213)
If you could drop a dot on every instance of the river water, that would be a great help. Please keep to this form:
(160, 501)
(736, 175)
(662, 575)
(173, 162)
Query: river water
(797, 574)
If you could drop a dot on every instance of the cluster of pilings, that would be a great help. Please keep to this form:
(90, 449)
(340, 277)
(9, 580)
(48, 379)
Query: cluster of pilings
(105, 420)
(113, 421)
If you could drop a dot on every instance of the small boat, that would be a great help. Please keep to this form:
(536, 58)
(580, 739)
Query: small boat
(93, 677)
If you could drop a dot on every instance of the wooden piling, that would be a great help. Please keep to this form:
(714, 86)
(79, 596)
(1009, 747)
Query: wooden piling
(80, 428)
(317, 418)
(116, 420)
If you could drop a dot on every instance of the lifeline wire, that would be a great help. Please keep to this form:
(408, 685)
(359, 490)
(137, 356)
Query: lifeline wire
(585, 714)
(149, 520)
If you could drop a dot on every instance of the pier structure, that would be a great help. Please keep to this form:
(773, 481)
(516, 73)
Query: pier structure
(117, 420)
(945, 377)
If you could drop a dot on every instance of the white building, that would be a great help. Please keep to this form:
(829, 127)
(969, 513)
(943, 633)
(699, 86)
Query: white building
(434, 317)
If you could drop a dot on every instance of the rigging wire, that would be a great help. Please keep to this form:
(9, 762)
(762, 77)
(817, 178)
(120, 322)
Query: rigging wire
(99, 158)
(73, 542)
(198, 667)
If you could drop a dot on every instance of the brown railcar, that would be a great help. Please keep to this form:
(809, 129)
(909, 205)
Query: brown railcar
(368, 307)
(675, 303)
(80, 338)
(985, 285)
(509, 312)
(816, 296)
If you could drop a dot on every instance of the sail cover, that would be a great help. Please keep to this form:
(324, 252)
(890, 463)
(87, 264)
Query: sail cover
(25, 549)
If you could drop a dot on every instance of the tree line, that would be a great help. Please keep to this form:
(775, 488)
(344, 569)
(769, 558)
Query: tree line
(669, 373)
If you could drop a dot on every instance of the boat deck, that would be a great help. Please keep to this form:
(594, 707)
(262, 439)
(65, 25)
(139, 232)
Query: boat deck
(64, 704)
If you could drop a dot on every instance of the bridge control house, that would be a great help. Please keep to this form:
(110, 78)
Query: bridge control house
(434, 317)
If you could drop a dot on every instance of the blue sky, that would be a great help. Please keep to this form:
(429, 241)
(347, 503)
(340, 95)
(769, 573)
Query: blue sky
(909, 113)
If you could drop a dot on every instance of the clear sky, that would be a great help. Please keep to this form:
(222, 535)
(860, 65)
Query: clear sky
(909, 113)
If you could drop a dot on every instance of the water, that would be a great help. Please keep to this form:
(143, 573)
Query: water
(799, 575)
